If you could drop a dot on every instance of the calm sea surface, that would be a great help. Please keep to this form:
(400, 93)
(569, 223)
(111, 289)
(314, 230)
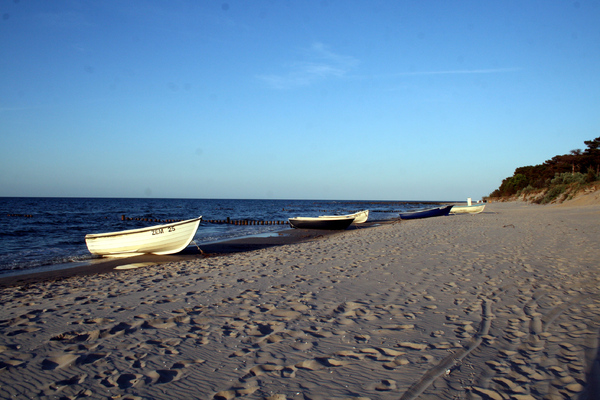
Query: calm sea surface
(47, 233)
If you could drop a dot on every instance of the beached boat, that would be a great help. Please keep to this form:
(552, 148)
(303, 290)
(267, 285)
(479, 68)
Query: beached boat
(158, 239)
(330, 223)
(359, 217)
(427, 213)
(468, 209)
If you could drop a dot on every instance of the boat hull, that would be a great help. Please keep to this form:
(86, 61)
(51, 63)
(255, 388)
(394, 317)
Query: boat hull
(158, 239)
(333, 224)
(432, 212)
(472, 209)
(359, 217)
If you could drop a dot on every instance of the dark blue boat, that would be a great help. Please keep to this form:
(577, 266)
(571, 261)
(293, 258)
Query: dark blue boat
(430, 212)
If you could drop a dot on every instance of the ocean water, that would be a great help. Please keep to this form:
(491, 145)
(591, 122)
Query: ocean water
(38, 233)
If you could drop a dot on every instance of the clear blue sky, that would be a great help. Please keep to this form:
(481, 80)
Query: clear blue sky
(355, 100)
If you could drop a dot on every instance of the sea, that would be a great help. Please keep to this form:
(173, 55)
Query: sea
(47, 233)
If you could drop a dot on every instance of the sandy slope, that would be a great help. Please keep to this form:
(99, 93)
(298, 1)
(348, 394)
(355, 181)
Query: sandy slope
(584, 199)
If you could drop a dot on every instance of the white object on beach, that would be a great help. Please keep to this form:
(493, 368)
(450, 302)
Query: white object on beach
(468, 209)
(359, 217)
(158, 239)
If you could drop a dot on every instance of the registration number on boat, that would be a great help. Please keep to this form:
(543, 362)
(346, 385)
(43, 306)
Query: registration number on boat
(162, 230)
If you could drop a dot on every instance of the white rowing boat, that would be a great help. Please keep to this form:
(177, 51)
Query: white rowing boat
(359, 217)
(468, 209)
(158, 239)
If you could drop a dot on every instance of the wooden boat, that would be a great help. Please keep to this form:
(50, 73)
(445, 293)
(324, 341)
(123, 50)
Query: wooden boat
(359, 217)
(158, 239)
(330, 223)
(430, 212)
(468, 209)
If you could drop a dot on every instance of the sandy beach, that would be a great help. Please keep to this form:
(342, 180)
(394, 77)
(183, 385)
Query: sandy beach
(500, 305)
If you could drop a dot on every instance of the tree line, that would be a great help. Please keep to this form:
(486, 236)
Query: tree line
(576, 169)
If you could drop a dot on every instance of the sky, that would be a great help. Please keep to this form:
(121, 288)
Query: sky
(345, 100)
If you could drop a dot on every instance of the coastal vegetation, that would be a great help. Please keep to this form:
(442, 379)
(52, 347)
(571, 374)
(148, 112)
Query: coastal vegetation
(556, 180)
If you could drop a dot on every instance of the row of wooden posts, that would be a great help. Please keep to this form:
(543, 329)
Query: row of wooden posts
(212, 221)
(244, 222)
(166, 221)
(124, 218)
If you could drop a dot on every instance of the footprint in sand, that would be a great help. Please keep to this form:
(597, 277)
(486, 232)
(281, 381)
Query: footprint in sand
(21, 331)
(350, 354)
(311, 365)
(98, 321)
(241, 352)
(58, 362)
(385, 385)
(237, 392)
(7, 364)
(54, 388)
(92, 358)
(301, 345)
(165, 375)
(398, 362)
(129, 380)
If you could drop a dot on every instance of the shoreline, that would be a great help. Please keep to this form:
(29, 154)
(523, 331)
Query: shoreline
(286, 236)
(504, 305)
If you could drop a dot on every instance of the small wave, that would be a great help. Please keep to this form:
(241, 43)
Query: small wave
(18, 233)
(28, 259)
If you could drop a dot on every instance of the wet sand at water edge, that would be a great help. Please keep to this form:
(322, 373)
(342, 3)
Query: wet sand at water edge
(500, 305)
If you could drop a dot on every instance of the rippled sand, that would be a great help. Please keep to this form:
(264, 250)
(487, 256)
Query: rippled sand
(499, 305)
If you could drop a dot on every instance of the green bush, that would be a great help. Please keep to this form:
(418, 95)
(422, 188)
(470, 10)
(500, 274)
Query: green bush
(553, 193)
(511, 185)
(568, 178)
(527, 190)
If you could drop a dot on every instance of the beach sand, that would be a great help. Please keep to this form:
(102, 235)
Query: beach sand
(500, 305)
